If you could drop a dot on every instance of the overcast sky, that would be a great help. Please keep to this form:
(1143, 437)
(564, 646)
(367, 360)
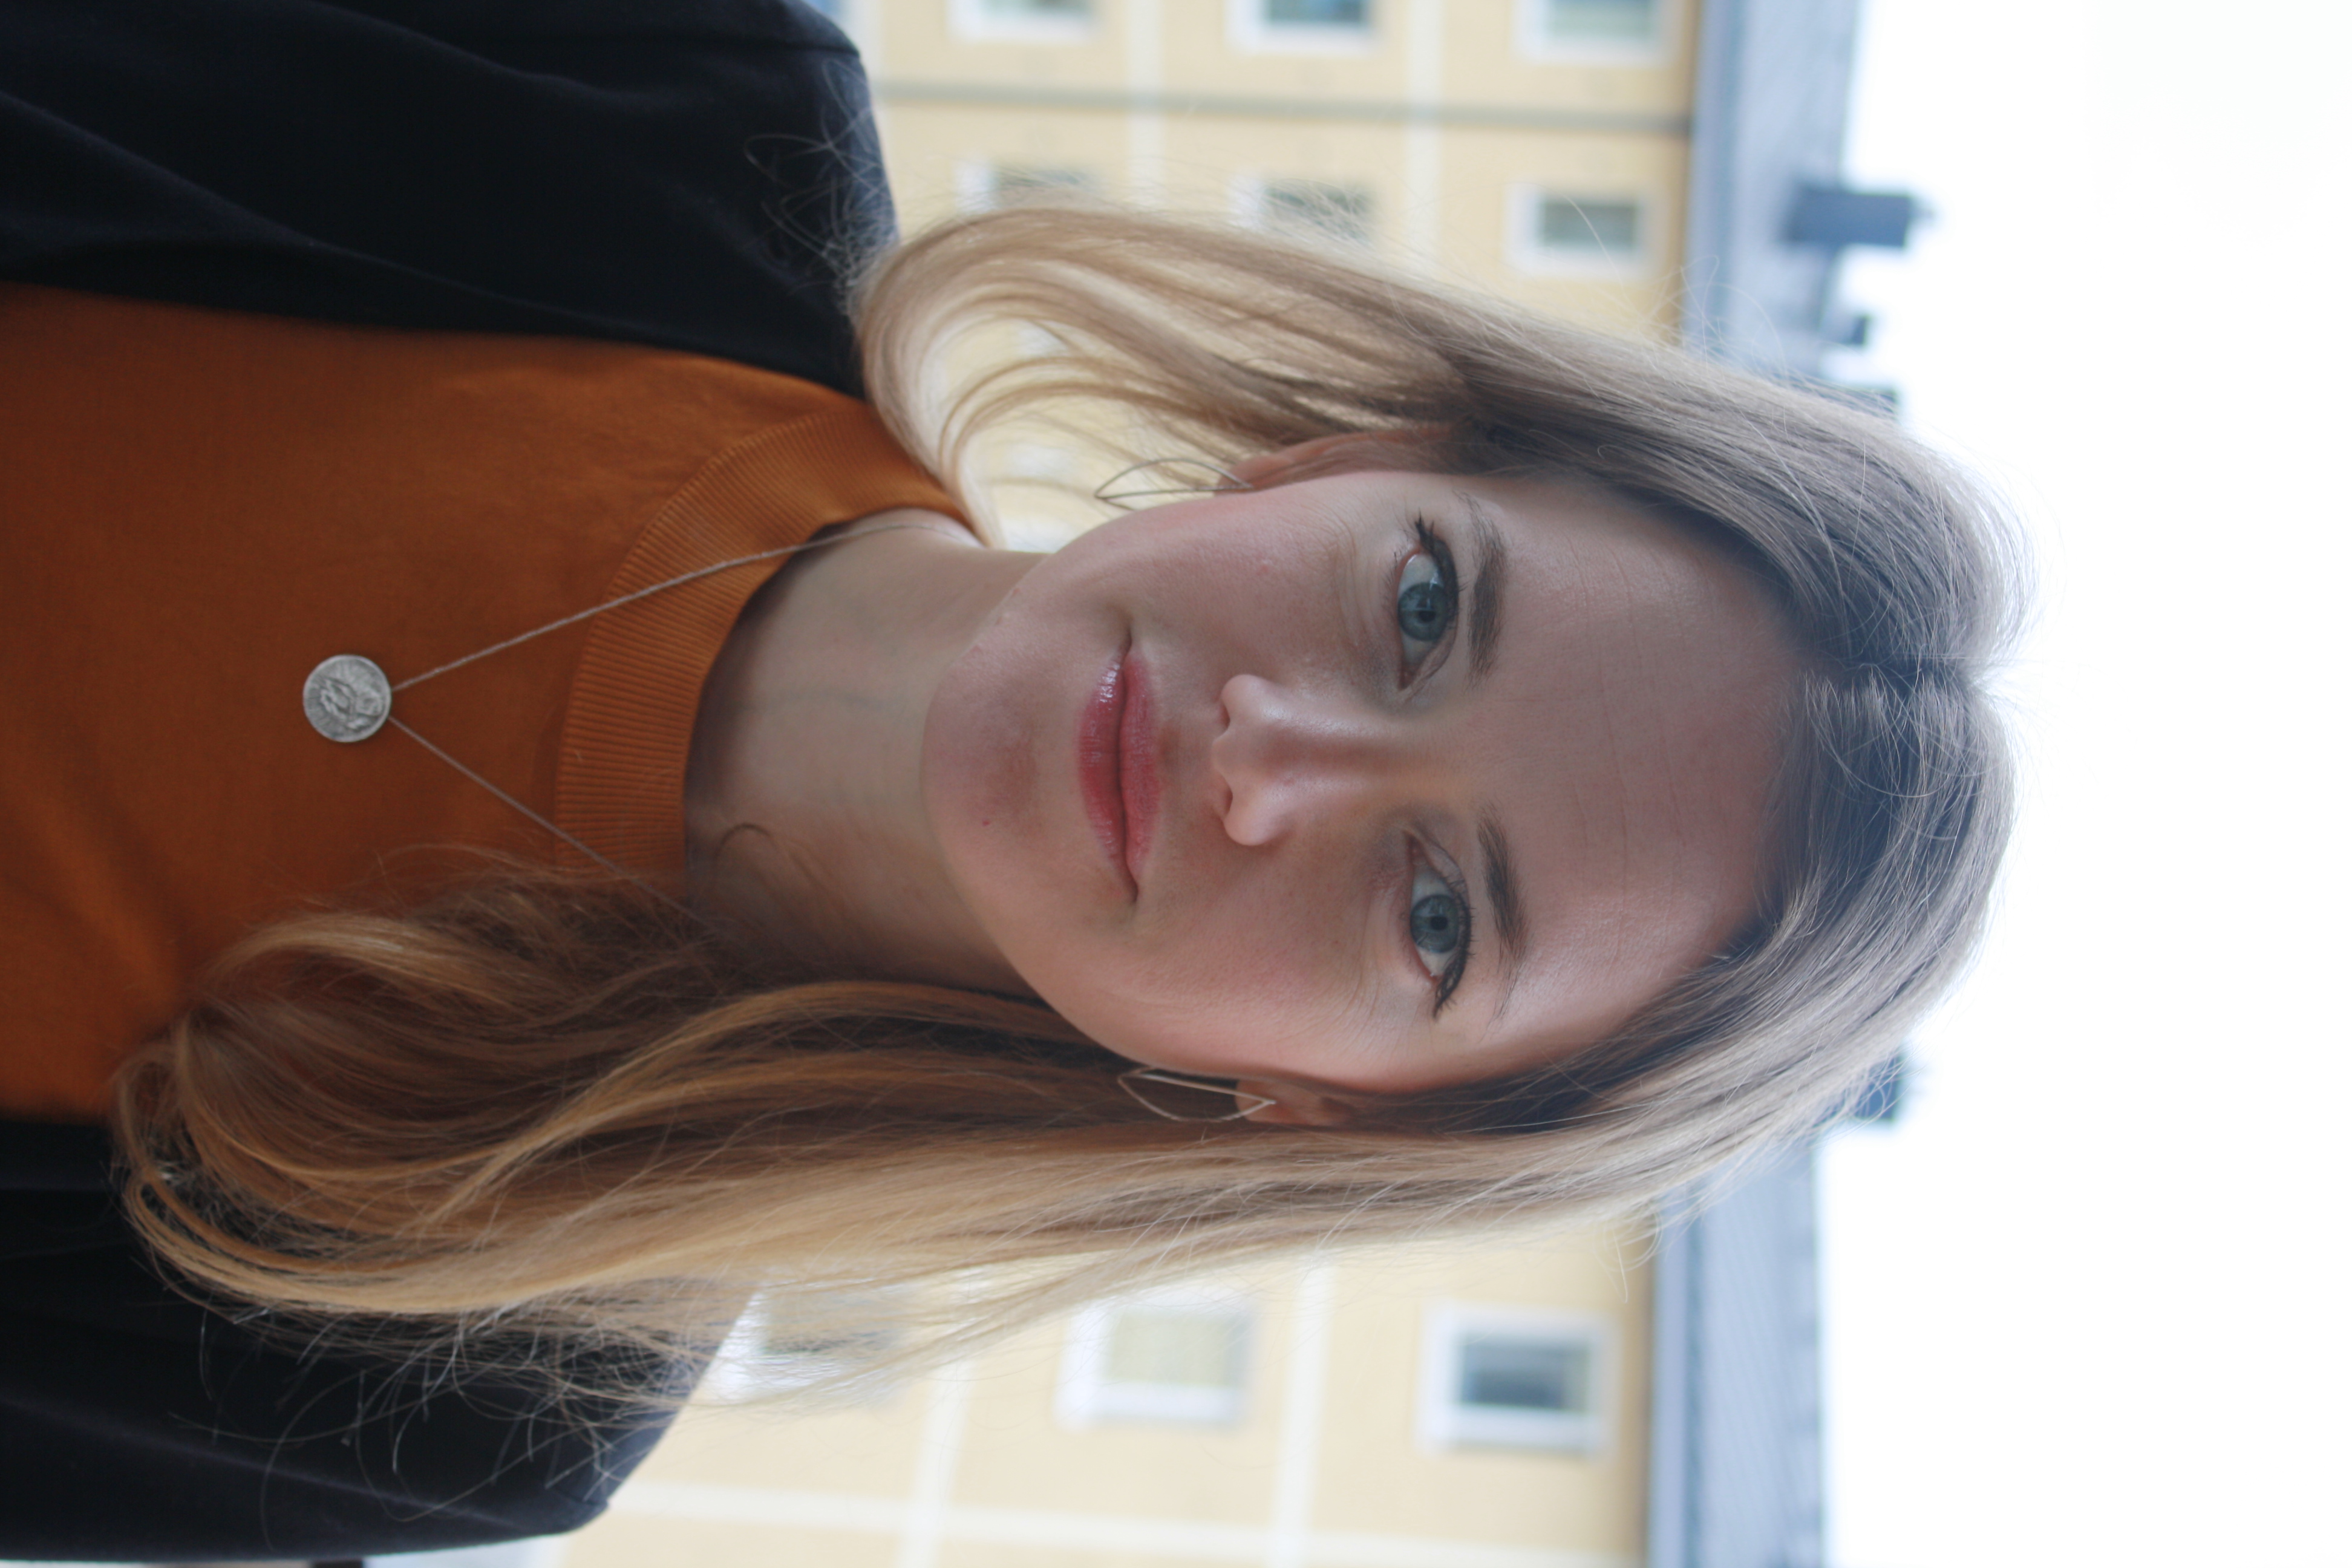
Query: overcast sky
(2088, 1305)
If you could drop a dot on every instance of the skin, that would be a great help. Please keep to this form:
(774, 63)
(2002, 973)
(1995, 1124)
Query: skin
(1321, 771)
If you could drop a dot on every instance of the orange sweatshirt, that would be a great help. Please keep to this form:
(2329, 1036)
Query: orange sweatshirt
(197, 507)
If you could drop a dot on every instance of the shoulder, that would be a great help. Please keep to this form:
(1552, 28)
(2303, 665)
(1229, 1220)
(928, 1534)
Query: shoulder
(697, 175)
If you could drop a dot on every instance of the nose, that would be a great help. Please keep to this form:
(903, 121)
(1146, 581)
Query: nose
(1289, 758)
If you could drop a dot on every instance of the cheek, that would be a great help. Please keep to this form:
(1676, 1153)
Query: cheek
(1225, 993)
(999, 738)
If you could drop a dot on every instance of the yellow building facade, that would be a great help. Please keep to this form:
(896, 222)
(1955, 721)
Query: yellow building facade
(1534, 148)
(1453, 1408)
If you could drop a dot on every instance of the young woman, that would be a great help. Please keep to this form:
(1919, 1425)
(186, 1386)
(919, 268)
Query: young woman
(1493, 772)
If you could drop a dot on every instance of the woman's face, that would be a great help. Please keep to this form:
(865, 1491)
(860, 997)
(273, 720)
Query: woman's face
(1378, 781)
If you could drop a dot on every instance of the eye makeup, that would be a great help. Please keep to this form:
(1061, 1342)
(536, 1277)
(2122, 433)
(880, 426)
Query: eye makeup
(1438, 925)
(1428, 602)
(1437, 920)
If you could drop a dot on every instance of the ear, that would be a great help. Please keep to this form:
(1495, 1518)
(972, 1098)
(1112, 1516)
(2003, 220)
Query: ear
(1349, 452)
(1296, 1105)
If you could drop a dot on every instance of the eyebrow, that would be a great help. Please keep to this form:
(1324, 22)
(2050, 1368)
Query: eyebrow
(1503, 897)
(1490, 569)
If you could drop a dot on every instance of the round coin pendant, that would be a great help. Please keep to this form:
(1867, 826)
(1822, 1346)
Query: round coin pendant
(347, 698)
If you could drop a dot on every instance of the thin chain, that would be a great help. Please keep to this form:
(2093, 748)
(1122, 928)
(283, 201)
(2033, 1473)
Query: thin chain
(397, 723)
(534, 816)
(614, 604)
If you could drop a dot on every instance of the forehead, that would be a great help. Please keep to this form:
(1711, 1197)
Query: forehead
(1625, 742)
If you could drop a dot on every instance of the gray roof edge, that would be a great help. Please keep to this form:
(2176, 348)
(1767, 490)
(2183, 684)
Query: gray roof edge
(1671, 1470)
(1769, 114)
(1735, 1463)
(1735, 1470)
(1714, 114)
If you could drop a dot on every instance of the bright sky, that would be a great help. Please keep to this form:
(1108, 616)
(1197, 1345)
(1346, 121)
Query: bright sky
(2088, 1305)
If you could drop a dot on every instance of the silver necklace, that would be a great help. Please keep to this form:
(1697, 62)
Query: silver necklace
(348, 697)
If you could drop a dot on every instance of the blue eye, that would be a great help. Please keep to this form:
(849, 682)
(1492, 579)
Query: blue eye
(1427, 598)
(1439, 925)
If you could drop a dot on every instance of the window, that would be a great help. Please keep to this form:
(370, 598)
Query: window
(1632, 30)
(1605, 229)
(1574, 232)
(1500, 1377)
(1300, 26)
(982, 186)
(1600, 21)
(1308, 207)
(767, 1352)
(1045, 21)
(1319, 13)
(1179, 1357)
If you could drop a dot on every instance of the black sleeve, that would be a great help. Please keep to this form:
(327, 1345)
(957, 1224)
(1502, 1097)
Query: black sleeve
(697, 175)
(690, 174)
(136, 1425)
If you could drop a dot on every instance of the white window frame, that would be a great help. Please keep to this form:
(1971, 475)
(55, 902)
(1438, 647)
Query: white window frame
(1533, 41)
(972, 19)
(1249, 32)
(1523, 229)
(1443, 1424)
(1085, 1396)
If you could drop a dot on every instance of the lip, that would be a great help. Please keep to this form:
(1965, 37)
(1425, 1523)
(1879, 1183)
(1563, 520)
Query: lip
(1119, 777)
(1139, 765)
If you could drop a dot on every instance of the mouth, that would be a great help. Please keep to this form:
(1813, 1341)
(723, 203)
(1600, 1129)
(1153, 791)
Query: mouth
(1118, 776)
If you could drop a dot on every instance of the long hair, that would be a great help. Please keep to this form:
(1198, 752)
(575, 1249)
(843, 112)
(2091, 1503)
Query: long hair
(550, 1105)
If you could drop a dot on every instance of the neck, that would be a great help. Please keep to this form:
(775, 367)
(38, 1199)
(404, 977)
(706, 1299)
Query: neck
(805, 819)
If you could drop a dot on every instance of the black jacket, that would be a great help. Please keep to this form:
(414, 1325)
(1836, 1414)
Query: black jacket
(696, 175)
(692, 174)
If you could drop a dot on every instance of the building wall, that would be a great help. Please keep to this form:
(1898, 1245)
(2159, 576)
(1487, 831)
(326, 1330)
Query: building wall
(1327, 1462)
(1443, 114)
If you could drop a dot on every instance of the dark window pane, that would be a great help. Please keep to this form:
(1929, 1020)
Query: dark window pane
(1611, 228)
(1342, 211)
(1173, 1347)
(1527, 1374)
(1012, 184)
(1605, 21)
(1319, 13)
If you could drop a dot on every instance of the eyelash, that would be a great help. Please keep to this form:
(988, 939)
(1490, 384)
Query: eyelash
(1432, 545)
(1457, 963)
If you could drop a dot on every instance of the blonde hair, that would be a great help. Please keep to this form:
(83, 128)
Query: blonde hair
(548, 1106)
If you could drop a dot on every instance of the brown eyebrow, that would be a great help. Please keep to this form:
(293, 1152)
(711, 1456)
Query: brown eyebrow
(1503, 899)
(1489, 570)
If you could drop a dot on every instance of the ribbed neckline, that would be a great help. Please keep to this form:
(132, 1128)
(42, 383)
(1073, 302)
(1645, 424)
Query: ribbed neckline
(621, 782)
